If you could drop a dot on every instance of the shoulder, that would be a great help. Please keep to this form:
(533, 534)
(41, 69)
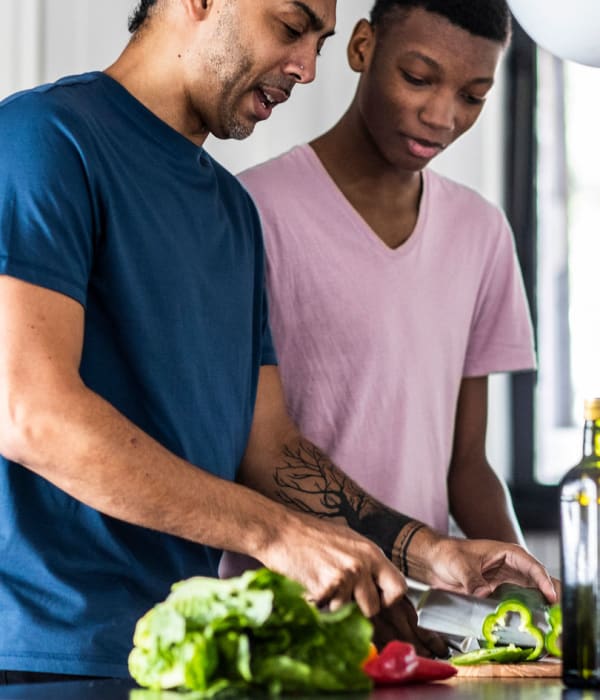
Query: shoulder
(49, 118)
(465, 226)
(452, 196)
(59, 99)
(467, 214)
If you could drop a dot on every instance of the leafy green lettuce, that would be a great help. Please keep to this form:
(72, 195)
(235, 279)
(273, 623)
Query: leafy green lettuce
(255, 631)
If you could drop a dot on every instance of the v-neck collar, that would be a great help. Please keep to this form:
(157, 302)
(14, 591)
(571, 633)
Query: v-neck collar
(360, 223)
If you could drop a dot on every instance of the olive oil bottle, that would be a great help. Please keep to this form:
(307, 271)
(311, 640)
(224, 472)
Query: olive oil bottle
(580, 559)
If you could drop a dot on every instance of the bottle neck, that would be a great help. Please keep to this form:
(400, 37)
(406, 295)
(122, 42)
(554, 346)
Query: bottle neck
(591, 439)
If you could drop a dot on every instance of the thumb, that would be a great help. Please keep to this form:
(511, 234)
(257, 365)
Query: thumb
(480, 588)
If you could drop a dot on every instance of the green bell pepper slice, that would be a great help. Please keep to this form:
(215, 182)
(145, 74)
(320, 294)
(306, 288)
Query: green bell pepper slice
(498, 619)
(553, 638)
(510, 654)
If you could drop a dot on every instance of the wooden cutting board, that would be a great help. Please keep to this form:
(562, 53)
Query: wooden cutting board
(546, 668)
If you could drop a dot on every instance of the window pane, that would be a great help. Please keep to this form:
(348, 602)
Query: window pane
(568, 115)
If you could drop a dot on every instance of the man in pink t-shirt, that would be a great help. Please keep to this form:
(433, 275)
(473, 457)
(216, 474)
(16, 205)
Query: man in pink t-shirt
(395, 292)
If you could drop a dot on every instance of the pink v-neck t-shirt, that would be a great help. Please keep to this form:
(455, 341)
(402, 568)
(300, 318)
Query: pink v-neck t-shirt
(373, 342)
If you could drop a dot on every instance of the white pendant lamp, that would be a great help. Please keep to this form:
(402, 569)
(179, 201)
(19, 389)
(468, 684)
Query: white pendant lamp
(569, 29)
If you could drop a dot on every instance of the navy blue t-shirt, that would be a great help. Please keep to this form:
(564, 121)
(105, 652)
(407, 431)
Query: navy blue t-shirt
(102, 201)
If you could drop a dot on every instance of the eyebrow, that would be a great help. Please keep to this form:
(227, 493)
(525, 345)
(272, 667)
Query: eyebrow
(316, 23)
(430, 62)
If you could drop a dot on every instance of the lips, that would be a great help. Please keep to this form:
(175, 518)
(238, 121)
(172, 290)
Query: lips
(267, 97)
(421, 148)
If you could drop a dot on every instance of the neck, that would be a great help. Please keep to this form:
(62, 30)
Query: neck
(151, 71)
(351, 156)
(385, 196)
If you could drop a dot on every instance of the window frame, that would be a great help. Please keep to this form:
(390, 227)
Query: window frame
(536, 504)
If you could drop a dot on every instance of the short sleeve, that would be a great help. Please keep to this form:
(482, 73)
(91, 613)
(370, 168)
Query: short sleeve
(501, 335)
(46, 212)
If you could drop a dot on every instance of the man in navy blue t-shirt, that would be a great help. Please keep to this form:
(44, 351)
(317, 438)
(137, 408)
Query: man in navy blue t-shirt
(138, 380)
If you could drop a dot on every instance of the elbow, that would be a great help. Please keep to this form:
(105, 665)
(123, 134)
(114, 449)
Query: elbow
(24, 427)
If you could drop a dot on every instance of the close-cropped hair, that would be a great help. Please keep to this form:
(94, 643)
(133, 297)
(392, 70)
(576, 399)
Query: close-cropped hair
(139, 15)
(490, 19)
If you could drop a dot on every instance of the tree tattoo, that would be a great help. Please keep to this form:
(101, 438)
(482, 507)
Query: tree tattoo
(308, 481)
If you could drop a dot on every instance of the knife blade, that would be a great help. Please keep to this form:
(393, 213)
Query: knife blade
(462, 616)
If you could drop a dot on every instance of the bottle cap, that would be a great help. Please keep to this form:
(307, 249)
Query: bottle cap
(591, 409)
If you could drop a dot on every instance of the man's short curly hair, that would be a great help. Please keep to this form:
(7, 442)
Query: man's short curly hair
(490, 19)
(139, 15)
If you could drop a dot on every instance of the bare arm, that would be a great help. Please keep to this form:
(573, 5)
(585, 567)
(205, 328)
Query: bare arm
(280, 463)
(51, 423)
(479, 500)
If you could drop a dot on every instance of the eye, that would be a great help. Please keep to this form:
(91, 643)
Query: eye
(473, 99)
(413, 79)
(292, 32)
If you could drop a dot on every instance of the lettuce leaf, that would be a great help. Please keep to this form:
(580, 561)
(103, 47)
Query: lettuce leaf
(252, 632)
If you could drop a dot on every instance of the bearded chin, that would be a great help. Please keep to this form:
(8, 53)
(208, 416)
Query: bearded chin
(238, 131)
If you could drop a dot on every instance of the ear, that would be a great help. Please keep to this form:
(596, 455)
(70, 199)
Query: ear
(360, 47)
(197, 9)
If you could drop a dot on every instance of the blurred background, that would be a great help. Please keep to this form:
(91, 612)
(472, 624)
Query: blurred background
(532, 152)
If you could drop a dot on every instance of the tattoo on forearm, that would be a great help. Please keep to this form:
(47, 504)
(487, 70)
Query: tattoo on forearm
(311, 483)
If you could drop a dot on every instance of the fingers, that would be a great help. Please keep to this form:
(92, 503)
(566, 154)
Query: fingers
(434, 643)
(371, 580)
(370, 596)
(337, 565)
(390, 582)
(400, 622)
(478, 567)
(367, 597)
(535, 573)
(481, 589)
(384, 632)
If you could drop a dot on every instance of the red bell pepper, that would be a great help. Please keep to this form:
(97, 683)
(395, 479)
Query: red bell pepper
(395, 663)
(398, 663)
(432, 670)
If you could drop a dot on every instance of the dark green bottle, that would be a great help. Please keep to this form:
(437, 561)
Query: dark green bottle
(580, 559)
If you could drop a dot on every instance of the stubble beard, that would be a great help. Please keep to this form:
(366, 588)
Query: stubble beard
(230, 64)
(234, 126)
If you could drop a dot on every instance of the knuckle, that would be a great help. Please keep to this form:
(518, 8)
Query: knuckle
(354, 568)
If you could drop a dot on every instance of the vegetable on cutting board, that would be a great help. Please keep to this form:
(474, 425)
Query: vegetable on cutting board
(510, 654)
(553, 639)
(546, 634)
(499, 619)
(398, 663)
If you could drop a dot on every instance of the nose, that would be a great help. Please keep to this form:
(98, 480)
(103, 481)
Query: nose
(439, 112)
(302, 68)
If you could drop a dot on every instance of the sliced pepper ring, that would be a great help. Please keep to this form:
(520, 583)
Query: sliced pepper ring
(502, 655)
(554, 635)
(499, 618)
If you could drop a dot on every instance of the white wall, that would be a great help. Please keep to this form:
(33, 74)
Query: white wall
(40, 40)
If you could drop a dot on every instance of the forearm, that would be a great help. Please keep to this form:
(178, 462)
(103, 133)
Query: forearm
(284, 466)
(79, 442)
(488, 517)
(304, 478)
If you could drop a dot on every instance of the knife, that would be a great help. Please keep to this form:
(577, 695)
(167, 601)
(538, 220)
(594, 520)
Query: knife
(462, 616)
